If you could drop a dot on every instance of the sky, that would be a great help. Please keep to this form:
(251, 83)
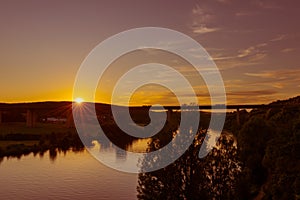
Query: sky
(255, 44)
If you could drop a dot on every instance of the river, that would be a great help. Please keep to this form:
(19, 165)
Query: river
(70, 175)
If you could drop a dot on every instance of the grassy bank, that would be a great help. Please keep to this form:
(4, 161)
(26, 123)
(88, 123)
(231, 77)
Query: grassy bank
(40, 129)
(16, 139)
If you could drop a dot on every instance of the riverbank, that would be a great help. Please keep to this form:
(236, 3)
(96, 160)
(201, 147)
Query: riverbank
(16, 139)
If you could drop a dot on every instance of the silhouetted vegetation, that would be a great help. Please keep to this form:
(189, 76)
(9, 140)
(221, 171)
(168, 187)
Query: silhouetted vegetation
(265, 164)
(192, 178)
(268, 148)
(269, 145)
(13, 116)
(53, 142)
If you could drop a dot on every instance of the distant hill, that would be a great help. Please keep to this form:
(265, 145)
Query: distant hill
(290, 101)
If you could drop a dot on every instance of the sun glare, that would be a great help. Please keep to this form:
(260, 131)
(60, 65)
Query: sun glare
(79, 100)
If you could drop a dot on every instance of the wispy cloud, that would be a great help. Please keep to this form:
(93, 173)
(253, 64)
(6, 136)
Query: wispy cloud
(252, 93)
(283, 80)
(224, 1)
(251, 55)
(274, 83)
(251, 96)
(263, 86)
(261, 75)
(287, 50)
(245, 52)
(203, 15)
(202, 21)
(203, 29)
(278, 74)
(279, 37)
(252, 50)
(266, 4)
(278, 85)
(245, 13)
(242, 53)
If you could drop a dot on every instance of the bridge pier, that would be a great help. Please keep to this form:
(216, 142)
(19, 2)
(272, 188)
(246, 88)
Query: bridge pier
(169, 115)
(31, 118)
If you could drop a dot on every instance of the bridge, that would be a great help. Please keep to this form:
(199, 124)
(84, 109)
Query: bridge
(33, 110)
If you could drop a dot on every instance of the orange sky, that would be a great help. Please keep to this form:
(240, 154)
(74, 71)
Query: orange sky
(255, 44)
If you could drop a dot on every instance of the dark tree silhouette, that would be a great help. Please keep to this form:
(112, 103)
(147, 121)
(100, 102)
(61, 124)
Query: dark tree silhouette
(212, 177)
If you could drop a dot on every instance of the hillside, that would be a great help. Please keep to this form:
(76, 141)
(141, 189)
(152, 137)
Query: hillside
(269, 146)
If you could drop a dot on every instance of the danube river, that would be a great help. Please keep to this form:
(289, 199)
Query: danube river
(70, 175)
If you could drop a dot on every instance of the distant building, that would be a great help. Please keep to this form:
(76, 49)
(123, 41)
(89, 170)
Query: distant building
(56, 120)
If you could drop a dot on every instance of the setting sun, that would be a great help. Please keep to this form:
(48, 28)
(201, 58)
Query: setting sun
(79, 100)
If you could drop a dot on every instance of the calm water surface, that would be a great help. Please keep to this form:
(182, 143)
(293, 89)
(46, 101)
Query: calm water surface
(71, 175)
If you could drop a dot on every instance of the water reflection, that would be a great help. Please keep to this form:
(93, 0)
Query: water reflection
(107, 149)
(72, 175)
(113, 154)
